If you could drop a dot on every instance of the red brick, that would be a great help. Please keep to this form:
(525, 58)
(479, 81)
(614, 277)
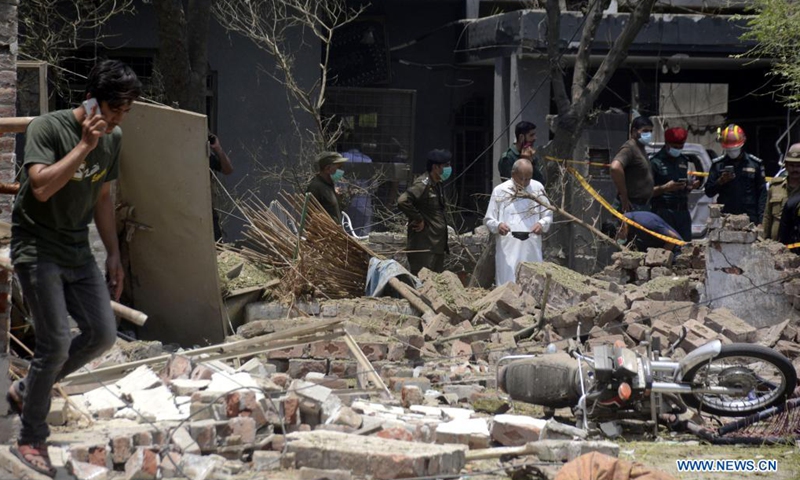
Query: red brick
(121, 448)
(460, 350)
(291, 409)
(201, 372)
(333, 350)
(374, 351)
(343, 369)
(288, 353)
(281, 379)
(142, 465)
(243, 427)
(178, 366)
(411, 395)
(396, 433)
(298, 368)
(204, 433)
(142, 439)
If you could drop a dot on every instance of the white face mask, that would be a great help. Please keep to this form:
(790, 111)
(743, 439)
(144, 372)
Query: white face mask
(734, 152)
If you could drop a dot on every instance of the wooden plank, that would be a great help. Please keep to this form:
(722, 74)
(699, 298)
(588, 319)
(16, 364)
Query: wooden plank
(366, 367)
(222, 348)
(14, 124)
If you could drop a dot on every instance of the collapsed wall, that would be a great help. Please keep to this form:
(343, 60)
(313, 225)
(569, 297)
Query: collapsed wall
(746, 275)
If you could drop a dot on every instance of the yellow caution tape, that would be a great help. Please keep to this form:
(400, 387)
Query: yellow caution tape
(793, 245)
(602, 201)
(607, 165)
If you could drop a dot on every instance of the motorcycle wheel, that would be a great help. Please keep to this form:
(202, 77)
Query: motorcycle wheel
(768, 376)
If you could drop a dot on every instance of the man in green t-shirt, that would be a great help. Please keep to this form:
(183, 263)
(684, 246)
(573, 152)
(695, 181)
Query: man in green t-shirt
(71, 158)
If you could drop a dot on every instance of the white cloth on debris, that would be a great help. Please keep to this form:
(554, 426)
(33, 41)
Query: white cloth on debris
(521, 215)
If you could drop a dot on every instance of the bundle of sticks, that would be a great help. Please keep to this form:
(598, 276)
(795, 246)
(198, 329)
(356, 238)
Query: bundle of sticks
(320, 258)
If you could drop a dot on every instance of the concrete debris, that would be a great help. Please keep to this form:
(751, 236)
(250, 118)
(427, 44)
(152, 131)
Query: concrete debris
(313, 407)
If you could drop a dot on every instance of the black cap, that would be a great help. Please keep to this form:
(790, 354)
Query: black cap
(439, 156)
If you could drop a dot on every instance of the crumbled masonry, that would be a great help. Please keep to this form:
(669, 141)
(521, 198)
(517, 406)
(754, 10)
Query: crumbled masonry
(287, 398)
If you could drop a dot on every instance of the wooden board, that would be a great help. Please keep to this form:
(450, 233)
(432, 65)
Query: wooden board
(164, 175)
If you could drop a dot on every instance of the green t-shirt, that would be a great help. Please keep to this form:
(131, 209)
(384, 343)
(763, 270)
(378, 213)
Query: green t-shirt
(58, 230)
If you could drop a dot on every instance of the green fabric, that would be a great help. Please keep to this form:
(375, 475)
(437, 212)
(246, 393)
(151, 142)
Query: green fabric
(325, 193)
(58, 230)
(424, 200)
(506, 163)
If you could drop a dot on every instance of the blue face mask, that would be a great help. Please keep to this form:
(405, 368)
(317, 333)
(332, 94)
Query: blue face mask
(446, 173)
(674, 152)
(337, 175)
(645, 138)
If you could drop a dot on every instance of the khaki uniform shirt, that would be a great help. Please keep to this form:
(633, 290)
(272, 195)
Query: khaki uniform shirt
(638, 173)
(779, 193)
(424, 200)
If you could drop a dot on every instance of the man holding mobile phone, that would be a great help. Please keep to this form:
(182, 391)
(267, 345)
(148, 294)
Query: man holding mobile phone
(671, 179)
(525, 138)
(71, 158)
(737, 177)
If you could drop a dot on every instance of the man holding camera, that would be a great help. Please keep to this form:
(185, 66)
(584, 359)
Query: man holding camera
(672, 186)
(738, 177)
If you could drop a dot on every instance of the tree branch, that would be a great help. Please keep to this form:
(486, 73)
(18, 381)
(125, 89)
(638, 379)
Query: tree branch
(617, 54)
(582, 62)
(554, 55)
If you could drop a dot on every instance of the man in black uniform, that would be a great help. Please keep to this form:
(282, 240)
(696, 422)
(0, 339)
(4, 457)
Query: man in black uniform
(672, 186)
(322, 186)
(738, 177)
(423, 204)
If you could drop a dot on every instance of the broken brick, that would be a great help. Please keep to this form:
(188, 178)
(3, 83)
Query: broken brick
(142, 465)
(723, 321)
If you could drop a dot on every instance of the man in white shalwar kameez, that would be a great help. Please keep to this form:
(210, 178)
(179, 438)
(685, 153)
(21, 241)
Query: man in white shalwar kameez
(518, 222)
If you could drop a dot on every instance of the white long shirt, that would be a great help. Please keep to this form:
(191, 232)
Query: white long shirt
(521, 215)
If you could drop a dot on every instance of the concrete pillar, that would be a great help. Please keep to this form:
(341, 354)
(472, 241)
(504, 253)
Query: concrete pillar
(502, 83)
(8, 98)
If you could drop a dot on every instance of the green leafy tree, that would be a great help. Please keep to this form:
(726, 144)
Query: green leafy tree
(776, 29)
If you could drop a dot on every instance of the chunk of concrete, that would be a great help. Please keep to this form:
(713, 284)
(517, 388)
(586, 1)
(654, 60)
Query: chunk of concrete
(567, 287)
(142, 378)
(516, 430)
(87, 471)
(554, 430)
(723, 321)
(658, 257)
(472, 432)
(374, 456)
(156, 404)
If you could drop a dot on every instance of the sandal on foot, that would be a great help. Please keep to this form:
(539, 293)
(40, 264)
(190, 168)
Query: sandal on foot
(14, 398)
(36, 457)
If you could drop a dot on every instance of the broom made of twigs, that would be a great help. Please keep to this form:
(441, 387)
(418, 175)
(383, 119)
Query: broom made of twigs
(321, 258)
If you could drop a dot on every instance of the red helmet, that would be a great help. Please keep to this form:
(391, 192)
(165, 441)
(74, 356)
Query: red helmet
(732, 137)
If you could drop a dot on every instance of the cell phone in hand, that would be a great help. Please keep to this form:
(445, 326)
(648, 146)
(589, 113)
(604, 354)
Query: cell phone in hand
(91, 107)
(683, 180)
(729, 168)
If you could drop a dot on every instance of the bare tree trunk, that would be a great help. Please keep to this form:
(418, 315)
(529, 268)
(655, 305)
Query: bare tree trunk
(183, 51)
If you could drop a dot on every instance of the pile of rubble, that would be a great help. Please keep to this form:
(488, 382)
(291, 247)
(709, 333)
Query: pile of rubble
(388, 387)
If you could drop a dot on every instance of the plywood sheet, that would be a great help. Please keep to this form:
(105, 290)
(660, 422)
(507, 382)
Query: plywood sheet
(164, 174)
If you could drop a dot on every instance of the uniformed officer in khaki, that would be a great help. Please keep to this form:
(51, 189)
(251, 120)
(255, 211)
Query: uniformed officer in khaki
(423, 203)
(781, 189)
(323, 185)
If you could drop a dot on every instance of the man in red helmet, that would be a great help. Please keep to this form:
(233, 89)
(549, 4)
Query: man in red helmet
(672, 183)
(738, 177)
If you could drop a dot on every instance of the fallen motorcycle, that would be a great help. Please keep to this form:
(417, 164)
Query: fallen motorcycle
(617, 382)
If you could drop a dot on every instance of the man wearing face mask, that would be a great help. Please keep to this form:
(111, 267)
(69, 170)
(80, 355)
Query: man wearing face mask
(519, 221)
(423, 203)
(672, 185)
(781, 189)
(738, 177)
(322, 185)
(525, 134)
(630, 169)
